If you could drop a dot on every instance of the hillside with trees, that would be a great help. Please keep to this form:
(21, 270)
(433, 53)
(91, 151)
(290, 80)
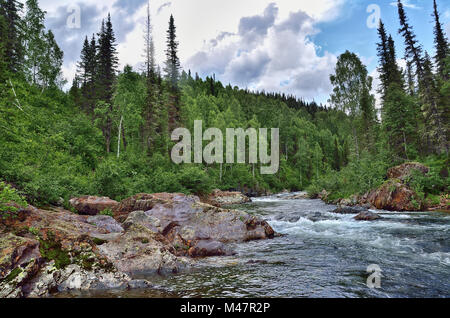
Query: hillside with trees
(110, 133)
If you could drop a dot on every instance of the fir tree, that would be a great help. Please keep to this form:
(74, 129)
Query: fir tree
(412, 47)
(11, 35)
(172, 68)
(172, 74)
(442, 44)
(433, 111)
(149, 50)
(106, 74)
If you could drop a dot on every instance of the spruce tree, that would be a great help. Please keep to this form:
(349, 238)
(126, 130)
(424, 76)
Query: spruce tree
(12, 34)
(433, 111)
(172, 74)
(149, 111)
(149, 49)
(87, 72)
(441, 43)
(383, 55)
(412, 47)
(172, 67)
(106, 74)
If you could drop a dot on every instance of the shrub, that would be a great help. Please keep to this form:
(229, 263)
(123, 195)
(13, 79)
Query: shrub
(8, 196)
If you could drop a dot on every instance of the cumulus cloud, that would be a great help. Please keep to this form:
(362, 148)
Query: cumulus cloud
(269, 54)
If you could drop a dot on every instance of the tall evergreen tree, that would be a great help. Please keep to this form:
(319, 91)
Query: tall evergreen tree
(87, 72)
(3, 59)
(172, 73)
(412, 47)
(11, 35)
(442, 44)
(149, 49)
(172, 67)
(106, 75)
(433, 111)
(149, 111)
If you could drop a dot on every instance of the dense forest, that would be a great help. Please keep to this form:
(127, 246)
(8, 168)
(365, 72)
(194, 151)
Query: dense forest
(110, 133)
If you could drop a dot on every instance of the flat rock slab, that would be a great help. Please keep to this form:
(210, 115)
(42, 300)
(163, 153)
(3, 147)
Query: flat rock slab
(91, 205)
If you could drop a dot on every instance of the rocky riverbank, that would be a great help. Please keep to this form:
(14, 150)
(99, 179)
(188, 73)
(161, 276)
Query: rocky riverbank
(47, 251)
(395, 194)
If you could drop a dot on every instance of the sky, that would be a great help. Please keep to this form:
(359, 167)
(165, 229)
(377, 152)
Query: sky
(273, 45)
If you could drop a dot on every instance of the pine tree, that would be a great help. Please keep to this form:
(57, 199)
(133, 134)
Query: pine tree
(172, 73)
(82, 71)
(149, 50)
(12, 34)
(383, 55)
(106, 74)
(433, 112)
(3, 60)
(172, 68)
(150, 111)
(412, 48)
(442, 45)
(87, 73)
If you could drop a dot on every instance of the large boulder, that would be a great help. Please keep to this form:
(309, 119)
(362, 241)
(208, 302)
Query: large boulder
(349, 210)
(220, 198)
(185, 222)
(367, 216)
(403, 171)
(105, 222)
(91, 205)
(140, 202)
(141, 251)
(393, 195)
(54, 251)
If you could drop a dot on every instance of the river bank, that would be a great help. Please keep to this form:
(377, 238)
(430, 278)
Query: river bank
(321, 254)
(48, 251)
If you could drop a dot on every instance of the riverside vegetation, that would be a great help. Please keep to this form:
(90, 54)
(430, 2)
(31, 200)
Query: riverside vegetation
(110, 134)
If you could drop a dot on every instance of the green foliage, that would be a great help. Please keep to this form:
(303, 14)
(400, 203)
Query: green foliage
(107, 212)
(9, 196)
(53, 251)
(357, 178)
(435, 182)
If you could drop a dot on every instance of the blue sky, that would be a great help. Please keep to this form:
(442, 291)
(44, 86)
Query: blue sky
(275, 45)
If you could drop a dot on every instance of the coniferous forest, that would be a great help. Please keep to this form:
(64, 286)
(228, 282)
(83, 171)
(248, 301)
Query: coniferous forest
(110, 133)
(93, 203)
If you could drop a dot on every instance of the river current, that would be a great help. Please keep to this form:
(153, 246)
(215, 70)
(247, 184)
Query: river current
(322, 254)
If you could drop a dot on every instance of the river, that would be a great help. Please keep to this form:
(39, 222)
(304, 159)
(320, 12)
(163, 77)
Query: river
(322, 254)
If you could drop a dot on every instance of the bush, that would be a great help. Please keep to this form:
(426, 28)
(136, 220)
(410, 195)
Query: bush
(8, 196)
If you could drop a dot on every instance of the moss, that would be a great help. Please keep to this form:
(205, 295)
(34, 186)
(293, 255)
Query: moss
(52, 251)
(86, 261)
(14, 273)
(98, 241)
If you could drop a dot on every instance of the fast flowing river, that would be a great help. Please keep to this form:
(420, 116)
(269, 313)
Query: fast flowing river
(322, 255)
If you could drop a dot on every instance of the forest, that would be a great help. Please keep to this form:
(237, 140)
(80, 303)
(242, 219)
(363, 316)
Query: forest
(109, 134)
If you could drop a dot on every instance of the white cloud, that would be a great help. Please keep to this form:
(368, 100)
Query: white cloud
(205, 25)
(273, 54)
(406, 4)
